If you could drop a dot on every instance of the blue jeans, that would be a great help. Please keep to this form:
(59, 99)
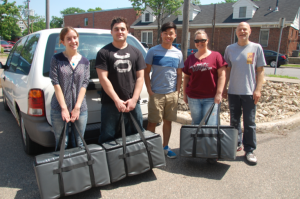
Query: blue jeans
(110, 125)
(199, 107)
(58, 125)
(245, 103)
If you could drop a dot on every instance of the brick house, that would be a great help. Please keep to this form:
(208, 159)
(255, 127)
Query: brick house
(264, 22)
(99, 19)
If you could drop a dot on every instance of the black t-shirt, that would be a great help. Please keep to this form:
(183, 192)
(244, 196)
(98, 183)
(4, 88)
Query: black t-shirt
(121, 65)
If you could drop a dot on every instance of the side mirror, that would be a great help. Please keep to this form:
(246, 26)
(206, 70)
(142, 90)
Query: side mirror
(2, 66)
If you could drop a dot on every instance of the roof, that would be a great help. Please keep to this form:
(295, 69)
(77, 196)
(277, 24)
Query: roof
(287, 9)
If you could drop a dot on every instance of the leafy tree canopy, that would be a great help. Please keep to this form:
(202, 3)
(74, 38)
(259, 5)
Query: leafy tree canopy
(96, 9)
(71, 10)
(56, 22)
(8, 19)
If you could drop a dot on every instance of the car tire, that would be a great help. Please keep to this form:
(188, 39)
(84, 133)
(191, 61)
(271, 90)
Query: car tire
(30, 147)
(5, 102)
(273, 64)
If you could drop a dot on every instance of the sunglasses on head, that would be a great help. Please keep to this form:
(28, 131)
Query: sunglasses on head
(200, 40)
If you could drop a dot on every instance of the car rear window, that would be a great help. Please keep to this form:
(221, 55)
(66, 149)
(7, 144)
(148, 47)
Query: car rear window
(89, 45)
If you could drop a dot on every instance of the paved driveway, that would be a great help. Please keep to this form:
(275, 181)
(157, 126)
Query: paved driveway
(276, 175)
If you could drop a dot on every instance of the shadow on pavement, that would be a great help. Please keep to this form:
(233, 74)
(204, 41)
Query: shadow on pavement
(196, 167)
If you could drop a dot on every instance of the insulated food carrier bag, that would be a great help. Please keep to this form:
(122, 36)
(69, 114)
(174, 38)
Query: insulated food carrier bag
(134, 154)
(206, 141)
(71, 171)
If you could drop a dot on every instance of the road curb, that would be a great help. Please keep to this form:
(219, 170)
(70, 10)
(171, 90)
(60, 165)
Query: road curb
(277, 125)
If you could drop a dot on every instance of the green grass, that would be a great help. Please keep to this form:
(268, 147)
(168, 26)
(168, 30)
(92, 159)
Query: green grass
(282, 76)
(291, 65)
(3, 55)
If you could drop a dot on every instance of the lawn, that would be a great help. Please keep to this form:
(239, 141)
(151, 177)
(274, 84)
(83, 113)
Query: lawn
(3, 54)
(291, 65)
(282, 76)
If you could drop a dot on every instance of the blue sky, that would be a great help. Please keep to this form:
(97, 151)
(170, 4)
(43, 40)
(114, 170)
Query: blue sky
(39, 6)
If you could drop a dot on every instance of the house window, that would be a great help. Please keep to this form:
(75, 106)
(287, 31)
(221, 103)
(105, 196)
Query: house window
(147, 37)
(21, 22)
(264, 38)
(86, 21)
(147, 17)
(242, 13)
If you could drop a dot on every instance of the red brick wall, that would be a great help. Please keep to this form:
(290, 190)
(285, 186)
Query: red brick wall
(102, 20)
(225, 36)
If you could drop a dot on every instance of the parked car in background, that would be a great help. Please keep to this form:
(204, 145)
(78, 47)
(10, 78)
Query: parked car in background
(270, 57)
(7, 46)
(11, 42)
(145, 46)
(27, 89)
(189, 51)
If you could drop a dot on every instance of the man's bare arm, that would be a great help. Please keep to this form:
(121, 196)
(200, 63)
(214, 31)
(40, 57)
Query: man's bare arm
(260, 79)
(147, 79)
(225, 90)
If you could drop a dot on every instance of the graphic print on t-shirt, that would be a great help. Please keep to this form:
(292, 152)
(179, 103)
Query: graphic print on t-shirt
(122, 65)
(201, 67)
(250, 57)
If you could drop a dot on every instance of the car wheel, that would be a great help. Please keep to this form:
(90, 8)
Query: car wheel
(5, 102)
(273, 64)
(30, 147)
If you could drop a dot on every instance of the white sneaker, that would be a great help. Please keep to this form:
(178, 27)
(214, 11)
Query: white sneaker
(251, 158)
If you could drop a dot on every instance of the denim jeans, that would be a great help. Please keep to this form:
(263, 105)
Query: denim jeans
(199, 107)
(245, 104)
(58, 125)
(110, 125)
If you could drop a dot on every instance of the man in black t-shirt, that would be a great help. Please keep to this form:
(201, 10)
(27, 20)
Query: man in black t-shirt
(120, 68)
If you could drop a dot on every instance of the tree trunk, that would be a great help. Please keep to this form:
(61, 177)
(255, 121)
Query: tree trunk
(158, 29)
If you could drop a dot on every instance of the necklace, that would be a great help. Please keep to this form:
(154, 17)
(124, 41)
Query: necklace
(73, 60)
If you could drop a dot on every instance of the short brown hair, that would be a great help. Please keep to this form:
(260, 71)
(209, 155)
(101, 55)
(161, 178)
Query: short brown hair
(64, 31)
(118, 20)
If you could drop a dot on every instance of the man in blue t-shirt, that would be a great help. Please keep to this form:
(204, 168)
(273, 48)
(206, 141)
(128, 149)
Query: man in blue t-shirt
(166, 63)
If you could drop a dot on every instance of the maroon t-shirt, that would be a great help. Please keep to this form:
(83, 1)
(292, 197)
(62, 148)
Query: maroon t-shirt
(203, 75)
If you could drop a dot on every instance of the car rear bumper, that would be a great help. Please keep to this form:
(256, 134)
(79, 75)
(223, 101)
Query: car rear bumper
(283, 62)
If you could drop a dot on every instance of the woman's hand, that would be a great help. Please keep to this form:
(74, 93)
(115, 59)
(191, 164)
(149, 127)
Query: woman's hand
(75, 114)
(65, 115)
(218, 98)
(185, 99)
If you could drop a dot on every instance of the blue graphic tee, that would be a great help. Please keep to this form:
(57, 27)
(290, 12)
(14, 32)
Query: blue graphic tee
(165, 63)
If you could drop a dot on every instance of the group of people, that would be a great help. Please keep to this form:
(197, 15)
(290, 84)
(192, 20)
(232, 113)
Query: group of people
(122, 71)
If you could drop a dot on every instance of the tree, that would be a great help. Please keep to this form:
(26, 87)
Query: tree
(161, 9)
(56, 22)
(8, 19)
(37, 23)
(96, 9)
(196, 2)
(71, 10)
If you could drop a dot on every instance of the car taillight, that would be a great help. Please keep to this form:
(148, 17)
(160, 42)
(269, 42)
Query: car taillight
(283, 56)
(36, 105)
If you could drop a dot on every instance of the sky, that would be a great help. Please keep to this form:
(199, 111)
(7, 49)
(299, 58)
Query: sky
(39, 6)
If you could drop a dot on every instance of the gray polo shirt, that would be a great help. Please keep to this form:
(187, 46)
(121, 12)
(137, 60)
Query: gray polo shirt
(243, 60)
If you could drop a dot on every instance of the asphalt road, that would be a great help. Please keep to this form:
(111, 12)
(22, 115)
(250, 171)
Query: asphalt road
(292, 72)
(275, 176)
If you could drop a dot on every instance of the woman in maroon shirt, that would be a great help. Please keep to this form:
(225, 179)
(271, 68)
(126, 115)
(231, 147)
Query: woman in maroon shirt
(204, 80)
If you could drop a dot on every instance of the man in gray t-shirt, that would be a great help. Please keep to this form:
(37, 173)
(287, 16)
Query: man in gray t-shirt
(245, 73)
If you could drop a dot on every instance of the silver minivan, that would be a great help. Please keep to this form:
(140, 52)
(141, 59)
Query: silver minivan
(27, 89)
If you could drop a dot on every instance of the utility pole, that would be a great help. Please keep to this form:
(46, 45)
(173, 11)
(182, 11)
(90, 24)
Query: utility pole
(28, 31)
(47, 15)
(185, 29)
(213, 29)
(281, 23)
